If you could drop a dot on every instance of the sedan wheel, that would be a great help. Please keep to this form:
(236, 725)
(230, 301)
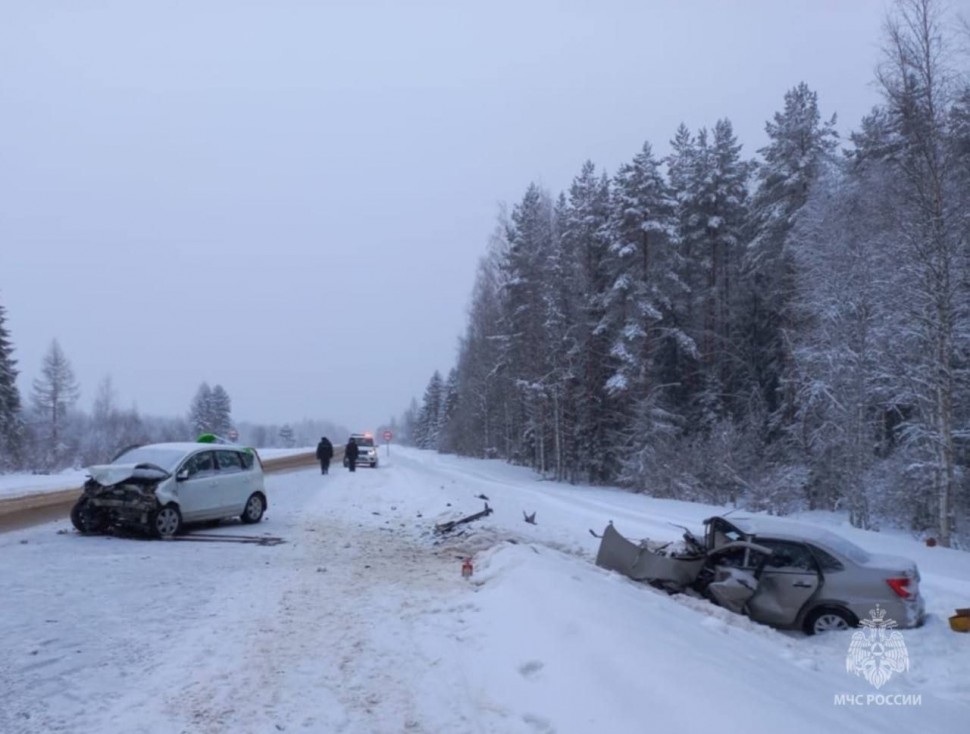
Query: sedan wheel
(167, 522)
(829, 620)
(254, 509)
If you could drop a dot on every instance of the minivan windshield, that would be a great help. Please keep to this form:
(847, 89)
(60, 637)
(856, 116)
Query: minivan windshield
(162, 456)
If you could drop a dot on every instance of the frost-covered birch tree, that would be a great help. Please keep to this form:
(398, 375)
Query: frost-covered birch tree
(932, 233)
(54, 394)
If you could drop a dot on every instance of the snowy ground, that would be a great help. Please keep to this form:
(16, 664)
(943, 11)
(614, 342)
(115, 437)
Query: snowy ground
(362, 623)
(19, 485)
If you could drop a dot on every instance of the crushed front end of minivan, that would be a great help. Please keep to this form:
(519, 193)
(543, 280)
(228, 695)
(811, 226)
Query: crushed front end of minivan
(119, 497)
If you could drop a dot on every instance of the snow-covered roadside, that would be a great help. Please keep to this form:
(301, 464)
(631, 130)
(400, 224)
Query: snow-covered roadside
(361, 622)
(21, 484)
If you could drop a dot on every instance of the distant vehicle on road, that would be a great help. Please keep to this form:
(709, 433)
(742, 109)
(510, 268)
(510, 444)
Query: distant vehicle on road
(368, 451)
(158, 488)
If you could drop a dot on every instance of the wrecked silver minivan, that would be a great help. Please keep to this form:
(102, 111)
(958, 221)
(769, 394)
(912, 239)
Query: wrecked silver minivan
(779, 573)
(158, 487)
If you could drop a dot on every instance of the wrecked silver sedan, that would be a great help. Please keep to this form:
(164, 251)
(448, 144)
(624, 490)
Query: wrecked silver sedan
(779, 573)
(158, 488)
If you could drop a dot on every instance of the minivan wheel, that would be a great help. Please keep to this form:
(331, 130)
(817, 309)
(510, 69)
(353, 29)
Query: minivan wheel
(830, 619)
(254, 509)
(167, 521)
(87, 519)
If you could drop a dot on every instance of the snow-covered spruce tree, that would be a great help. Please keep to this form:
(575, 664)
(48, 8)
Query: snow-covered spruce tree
(200, 411)
(708, 180)
(11, 418)
(54, 394)
(801, 145)
(526, 348)
(449, 410)
(582, 338)
(287, 436)
(220, 407)
(428, 424)
(644, 268)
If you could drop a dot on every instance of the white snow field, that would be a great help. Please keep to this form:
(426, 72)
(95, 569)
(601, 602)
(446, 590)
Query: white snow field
(361, 622)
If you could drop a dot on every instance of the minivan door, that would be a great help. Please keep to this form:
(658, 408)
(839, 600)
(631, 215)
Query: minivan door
(198, 492)
(234, 482)
(788, 580)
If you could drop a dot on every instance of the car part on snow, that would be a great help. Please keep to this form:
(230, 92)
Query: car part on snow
(467, 568)
(218, 538)
(960, 622)
(531, 519)
(447, 527)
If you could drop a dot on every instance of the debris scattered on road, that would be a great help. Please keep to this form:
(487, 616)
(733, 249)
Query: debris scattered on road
(447, 527)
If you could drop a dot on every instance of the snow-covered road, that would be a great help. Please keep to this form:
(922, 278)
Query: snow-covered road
(361, 622)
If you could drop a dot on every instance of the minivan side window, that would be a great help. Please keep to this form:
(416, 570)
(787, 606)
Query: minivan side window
(202, 462)
(229, 461)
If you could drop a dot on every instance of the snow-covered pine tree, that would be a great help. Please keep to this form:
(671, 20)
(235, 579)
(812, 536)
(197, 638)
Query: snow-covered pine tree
(449, 410)
(800, 146)
(429, 417)
(11, 418)
(54, 394)
(220, 411)
(526, 347)
(708, 179)
(200, 411)
(643, 266)
(585, 235)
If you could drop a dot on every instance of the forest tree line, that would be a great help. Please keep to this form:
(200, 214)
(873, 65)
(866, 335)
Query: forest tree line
(48, 432)
(782, 334)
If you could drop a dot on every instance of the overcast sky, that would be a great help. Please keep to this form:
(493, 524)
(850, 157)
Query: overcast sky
(290, 198)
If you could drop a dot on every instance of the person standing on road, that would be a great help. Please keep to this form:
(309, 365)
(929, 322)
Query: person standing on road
(324, 454)
(351, 452)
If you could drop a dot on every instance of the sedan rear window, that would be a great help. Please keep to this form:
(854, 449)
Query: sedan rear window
(843, 547)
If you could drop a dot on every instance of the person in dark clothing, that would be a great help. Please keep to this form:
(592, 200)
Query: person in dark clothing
(350, 453)
(324, 454)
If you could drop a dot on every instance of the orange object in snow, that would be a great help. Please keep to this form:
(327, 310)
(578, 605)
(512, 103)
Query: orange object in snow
(466, 568)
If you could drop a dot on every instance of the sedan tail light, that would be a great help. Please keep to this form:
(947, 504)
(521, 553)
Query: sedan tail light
(904, 587)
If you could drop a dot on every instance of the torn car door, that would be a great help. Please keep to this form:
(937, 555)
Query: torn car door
(789, 579)
(642, 563)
